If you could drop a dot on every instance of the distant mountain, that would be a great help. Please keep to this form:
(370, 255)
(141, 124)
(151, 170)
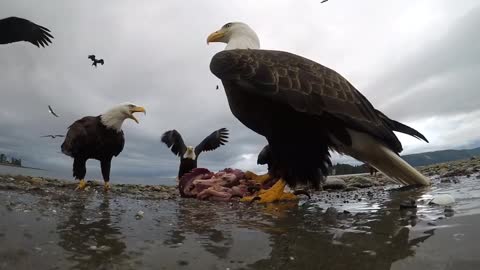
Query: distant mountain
(427, 158)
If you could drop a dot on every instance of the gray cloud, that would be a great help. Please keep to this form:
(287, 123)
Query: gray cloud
(408, 59)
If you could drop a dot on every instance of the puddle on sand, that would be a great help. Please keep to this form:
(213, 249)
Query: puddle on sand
(355, 230)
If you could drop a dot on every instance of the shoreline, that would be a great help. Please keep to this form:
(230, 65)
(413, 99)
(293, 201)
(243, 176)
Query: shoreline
(337, 183)
(22, 167)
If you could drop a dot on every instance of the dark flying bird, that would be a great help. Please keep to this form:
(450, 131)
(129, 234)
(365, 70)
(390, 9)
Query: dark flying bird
(304, 109)
(52, 136)
(95, 61)
(323, 1)
(98, 137)
(50, 110)
(189, 155)
(14, 29)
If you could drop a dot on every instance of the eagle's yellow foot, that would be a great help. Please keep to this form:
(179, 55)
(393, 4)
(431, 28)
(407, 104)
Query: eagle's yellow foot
(81, 185)
(106, 186)
(257, 178)
(275, 193)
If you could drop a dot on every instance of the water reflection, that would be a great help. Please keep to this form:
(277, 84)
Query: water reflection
(201, 220)
(309, 238)
(90, 237)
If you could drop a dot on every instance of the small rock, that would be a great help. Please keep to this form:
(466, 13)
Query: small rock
(408, 204)
(442, 199)
(360, 182)
(351, 188)
(292, 258)
(449, 212)
(334, 183)
(431, 223)
(139, 214)
(93, 247)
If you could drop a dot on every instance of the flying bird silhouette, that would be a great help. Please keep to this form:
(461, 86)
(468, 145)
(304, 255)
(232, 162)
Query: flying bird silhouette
(52, 136)
(14, 29)
(95, 61)
(323, 1)
(50, 110)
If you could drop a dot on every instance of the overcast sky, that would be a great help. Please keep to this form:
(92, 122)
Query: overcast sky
(417, 61)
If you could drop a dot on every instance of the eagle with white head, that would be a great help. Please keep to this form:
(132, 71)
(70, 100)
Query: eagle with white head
(98, 137)
(304, 109)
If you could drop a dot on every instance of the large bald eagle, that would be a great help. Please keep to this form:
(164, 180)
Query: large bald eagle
(189, 155)
(98, 137)
(13, 29)
(304, 109)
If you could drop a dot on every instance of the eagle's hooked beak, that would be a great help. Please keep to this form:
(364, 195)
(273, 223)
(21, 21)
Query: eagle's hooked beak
(215, 36)
(134, 110)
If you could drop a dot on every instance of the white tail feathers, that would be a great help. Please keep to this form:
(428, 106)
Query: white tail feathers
(367, 149)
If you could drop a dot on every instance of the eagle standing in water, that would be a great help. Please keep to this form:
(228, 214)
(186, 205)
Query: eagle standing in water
(304, 109)
(14, 29)
(98, 137)
(189, 155)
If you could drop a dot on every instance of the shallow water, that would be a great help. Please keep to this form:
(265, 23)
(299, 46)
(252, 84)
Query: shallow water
(356, 230)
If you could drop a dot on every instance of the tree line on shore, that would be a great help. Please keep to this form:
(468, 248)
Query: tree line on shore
(4, 159)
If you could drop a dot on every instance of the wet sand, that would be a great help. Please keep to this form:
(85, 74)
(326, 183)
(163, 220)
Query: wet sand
(45, 224)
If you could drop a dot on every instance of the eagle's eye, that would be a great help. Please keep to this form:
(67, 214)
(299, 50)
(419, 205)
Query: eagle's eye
(228, 25)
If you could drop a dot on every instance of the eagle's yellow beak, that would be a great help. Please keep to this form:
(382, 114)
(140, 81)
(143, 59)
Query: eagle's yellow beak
(215, 36)
(134, 110)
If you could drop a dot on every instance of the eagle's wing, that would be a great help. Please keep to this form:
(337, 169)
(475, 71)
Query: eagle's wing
(305, 86)
(91, 57)
(13, 29)
(174, 140)
(101, 61)
(51, 111)
(213, 141)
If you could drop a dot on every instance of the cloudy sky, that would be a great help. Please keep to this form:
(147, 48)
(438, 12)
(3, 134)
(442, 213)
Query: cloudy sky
(417, 61)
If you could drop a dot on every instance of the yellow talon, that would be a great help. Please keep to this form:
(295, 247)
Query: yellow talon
(257, 178)
(275, 193)
(106, 186)
(81, 185)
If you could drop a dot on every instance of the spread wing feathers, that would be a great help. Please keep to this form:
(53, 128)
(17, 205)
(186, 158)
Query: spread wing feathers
(213, 141)
(397, 126)
(91, 57)
(13, 29)
(174, 140)
(264, 156)
(305, 86)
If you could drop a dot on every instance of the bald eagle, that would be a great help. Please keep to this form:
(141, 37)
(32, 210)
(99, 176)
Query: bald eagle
(98, 137)
(13, 29)
(304, 109)
(188, 155)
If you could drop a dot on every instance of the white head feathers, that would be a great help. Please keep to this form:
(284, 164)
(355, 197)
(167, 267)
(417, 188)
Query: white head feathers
(114, 117)
(237, 35)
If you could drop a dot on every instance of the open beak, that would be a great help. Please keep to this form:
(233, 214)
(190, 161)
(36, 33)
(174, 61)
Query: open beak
(137, 109)
(215, 36)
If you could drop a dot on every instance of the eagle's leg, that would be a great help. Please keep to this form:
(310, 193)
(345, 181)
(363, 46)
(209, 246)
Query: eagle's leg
(258, 178)
(81, 185)
(105, 166)
(275, 193)
(79, 172)
(106, 186)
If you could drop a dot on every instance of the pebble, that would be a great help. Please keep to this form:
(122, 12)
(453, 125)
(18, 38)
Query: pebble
(408, 204)
(139, 214)
(334, 183)
(442, 199)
